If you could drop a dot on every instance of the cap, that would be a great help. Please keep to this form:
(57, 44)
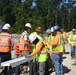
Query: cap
(56, 28)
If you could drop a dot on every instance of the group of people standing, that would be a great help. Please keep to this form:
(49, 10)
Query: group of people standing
(42, 46)
(38, 46)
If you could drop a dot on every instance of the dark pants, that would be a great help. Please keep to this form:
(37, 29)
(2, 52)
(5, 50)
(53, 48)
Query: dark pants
(49, 62)
(5, 57)
(43, 68)
(33, 68)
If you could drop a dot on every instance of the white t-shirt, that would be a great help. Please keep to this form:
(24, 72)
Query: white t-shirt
(26, 36)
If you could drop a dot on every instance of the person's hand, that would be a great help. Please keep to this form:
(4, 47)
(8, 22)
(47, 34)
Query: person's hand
(45, 41)
(47, 46)
(27, 56)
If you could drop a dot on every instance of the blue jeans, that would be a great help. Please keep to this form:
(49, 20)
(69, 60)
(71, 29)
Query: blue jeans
(57, 61)
(75, 54)
(72, 52)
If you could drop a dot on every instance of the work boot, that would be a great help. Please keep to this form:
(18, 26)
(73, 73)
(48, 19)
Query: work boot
(72, 57)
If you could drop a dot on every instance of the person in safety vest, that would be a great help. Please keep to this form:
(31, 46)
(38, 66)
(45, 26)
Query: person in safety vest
(50, 39)
(40, 51)
(38, 33)
(64, 33)
(72, 42)
(6, 44)
(65, 37)
(57, 50)
(25, 43)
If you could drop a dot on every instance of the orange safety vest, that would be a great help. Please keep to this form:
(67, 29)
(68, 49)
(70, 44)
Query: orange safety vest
(5, 42)
(23, 46)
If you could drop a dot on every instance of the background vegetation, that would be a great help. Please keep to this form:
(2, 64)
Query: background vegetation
(46, 13)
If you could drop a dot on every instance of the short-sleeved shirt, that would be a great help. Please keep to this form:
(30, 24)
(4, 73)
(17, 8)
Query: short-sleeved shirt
(26, 36)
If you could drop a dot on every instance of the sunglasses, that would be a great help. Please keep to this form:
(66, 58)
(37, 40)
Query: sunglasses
(39, 29)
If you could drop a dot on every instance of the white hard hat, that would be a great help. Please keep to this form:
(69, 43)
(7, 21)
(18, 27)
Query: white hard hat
(52, 29)
(48, 31)
(73, 30)
(6, 26)
(32, 37)
(28, 25)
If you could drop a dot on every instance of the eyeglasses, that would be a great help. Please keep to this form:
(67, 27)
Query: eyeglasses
(39, 29)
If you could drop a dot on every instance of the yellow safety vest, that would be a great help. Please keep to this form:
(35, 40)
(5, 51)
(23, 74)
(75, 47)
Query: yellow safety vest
(50, 39)
(42, 55)
(59, 47)
(34, 47)
(72, 39)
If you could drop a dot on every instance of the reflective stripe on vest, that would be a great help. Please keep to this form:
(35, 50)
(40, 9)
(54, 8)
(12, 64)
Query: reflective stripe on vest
(43, 52)
(24, 44)
(4, 46)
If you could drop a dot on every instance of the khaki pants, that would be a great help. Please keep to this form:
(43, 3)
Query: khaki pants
(25, 65)
(24, 52)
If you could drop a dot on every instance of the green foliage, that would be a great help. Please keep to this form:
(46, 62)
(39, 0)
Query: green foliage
(46, 14)
(73, 18)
